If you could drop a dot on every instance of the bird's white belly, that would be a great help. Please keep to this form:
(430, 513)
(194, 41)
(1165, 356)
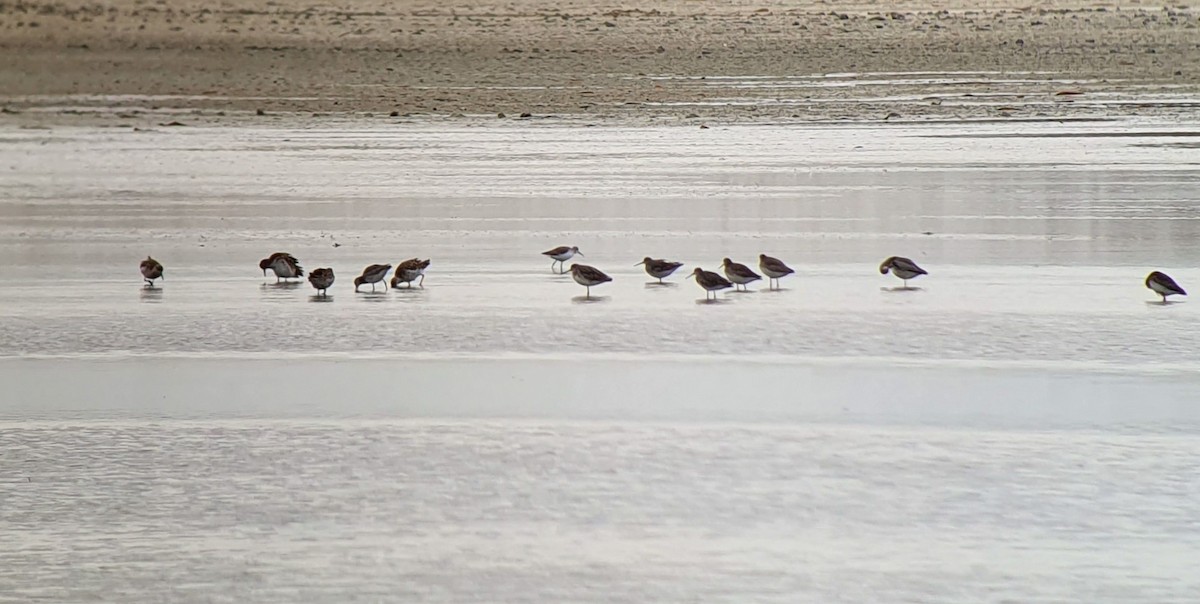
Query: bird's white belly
(283, 269)
(773, 274)
(739, 279)
(1161, 289)
(565, 256)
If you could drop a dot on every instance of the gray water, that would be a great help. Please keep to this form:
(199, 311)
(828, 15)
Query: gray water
(1020, 427)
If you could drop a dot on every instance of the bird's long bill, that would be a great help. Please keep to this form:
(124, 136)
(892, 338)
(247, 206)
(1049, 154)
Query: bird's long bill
(640, 263)
(579, 252)
(264, 272)
(690, 275)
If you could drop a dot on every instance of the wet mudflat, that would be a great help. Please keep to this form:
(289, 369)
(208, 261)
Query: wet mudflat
(1027, 396)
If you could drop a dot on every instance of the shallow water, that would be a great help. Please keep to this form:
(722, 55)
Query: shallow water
(592, 512)
(1021, 426)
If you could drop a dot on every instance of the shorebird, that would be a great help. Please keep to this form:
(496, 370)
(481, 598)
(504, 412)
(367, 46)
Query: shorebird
(1159, 282)
(561, 254)
(373, 274)
(283, 264)
(588, 276)
(773, 268)
(710, 281)
(901, 267)
(151, 270)
(409, 271)
(659, 268)
(321, 279)
(739, 274)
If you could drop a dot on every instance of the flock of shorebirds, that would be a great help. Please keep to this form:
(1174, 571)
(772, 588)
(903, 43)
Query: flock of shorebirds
(285, 266)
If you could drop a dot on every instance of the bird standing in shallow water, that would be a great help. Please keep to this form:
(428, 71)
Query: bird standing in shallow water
(588, 276)
(561, 254)
(151, 270)
(659, 268)
(409, 271)
(1163, 285)
(284, 265)
(710, 281)
(373, 274)
(901, 267)
(739, 274)
(774, 269)
(321, 279)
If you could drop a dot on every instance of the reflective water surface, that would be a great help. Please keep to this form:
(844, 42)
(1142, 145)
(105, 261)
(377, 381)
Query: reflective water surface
(1019, 426)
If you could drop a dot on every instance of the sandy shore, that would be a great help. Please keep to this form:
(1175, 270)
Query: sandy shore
(67, 59)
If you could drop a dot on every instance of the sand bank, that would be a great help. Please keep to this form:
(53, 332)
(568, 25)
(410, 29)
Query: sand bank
(135, 62)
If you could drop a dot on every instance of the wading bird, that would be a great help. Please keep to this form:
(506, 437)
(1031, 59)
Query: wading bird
(901, 267)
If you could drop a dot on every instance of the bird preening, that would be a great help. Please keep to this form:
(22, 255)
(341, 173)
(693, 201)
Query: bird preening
(1163, 285)
(321, 279)
(151, 270)
(901, 267)
(283, 264)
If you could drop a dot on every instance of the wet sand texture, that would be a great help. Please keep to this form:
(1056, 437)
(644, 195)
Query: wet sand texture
(600, 59)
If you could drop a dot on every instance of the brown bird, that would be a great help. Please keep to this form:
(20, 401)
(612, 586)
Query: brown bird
(773, 268)
(659, 268)
(561, 254)
(283, 264)
(151, 270)
(1161, 284)
(739, 274)
(901, 267)
(373, 274)
(409, 271)
(588, 276)
(710, 281)
(321, 279)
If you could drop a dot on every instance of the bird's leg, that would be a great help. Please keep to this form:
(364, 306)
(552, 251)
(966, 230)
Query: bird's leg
(422, 283)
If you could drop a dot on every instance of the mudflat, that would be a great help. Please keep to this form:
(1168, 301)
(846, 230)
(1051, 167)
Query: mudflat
(134, 60)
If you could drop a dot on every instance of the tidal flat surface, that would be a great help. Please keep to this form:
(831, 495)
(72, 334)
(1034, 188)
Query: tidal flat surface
(1020, 427)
